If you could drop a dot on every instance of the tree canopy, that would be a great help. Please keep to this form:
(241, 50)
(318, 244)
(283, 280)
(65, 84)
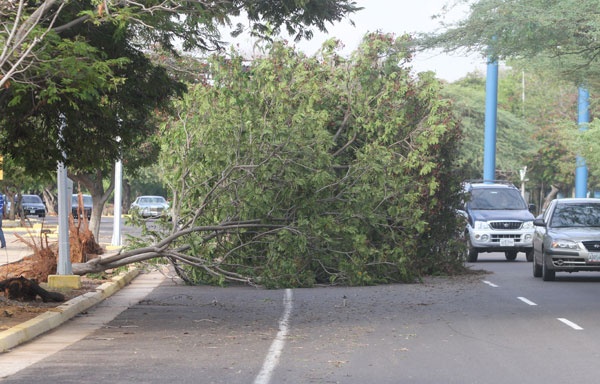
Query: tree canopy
(29, 28)
(82, 63)
(563, 35)
(514, 145)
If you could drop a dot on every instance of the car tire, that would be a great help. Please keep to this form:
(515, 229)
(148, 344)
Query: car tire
(510, 255)
(471, 252)
(537, 269)
(529, 255)
(547, 274)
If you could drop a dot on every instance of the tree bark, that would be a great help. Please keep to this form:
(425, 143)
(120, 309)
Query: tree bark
(549, 197)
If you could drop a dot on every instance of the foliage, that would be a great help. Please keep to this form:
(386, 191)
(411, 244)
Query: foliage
(586, 143)
(561, 35)
(75, 81)
(295, 170)
(30, 28)
(514, 136)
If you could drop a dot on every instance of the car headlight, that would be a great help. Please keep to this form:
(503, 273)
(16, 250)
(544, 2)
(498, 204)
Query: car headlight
(481, 225)
(564, 244)
(528, 225)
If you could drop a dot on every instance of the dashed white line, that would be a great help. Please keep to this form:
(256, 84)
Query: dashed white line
(272, 359)
(490, 283)
(526, 301)
(570, 324)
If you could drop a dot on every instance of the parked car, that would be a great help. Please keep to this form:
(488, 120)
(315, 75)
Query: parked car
(567, 238)
(150, 206)
(498, 220)
(33, 205)
(87, 205)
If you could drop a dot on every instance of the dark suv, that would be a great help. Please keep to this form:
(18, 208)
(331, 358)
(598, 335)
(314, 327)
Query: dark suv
(498, 220)
(33, 205)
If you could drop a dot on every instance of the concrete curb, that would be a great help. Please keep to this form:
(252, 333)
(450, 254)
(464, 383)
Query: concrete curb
(54, 317)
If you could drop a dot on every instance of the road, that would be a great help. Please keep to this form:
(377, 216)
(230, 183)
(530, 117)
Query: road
(499, 327)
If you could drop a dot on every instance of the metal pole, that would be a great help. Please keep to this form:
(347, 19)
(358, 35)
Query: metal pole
(581, 172)
(491, 105)
(116, 238)
(63, 266)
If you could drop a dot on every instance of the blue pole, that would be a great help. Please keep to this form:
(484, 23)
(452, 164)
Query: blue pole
(491, 105)
(581, 172)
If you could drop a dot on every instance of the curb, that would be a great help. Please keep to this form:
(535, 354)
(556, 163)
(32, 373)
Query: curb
(54, 317)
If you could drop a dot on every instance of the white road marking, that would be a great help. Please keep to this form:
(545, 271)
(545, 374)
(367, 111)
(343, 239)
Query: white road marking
(272, 359)
(526, 301)
(570, 324)
(490, 283)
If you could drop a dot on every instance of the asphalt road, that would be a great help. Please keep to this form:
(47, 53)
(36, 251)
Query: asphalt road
(499, 327)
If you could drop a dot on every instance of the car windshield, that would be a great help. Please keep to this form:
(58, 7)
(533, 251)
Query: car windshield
(492, 199)
(87, 200)
(152, 200)
(576, 215)
(31, 199)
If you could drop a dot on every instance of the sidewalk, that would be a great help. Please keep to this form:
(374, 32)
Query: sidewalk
(15, 249)
(51, 319)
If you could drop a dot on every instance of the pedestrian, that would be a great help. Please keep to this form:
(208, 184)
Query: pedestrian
(2, 239)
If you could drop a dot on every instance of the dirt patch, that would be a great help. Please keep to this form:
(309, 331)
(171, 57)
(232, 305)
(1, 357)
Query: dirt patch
(14, 312)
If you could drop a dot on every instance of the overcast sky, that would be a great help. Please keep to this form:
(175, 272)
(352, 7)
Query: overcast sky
(399, 17)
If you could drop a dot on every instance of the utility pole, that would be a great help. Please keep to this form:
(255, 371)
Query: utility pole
(116, 237)
(583, 119)
(491, 107)
(64, 277)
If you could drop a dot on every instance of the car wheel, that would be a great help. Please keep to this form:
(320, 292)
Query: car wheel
(547, 274)
(471, 252)
(537, 269)
(510, 255)
(529, 255)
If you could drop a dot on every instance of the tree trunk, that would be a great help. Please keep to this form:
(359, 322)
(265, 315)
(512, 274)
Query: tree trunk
(94, 184)
(51, 201)
(550, 197)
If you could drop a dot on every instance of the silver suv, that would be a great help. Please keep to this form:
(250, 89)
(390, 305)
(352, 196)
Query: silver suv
(498, 220)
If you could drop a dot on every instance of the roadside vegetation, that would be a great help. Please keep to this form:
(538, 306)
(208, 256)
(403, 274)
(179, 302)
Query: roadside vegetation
(283, 169)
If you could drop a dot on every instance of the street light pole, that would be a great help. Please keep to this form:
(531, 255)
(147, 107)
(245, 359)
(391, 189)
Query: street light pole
(116, 237)
(63, 266)
(64, 277)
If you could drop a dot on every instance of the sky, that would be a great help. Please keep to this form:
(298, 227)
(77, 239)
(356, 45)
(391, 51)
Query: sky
(399, 17)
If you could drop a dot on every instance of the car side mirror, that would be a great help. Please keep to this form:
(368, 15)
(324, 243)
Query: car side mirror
(539, 222)
(531, 208)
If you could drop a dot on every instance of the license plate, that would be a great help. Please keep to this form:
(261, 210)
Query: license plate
(594, 257)
(507, 242)
(32, 211)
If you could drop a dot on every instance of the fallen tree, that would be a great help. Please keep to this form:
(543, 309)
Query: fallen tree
(317, 170)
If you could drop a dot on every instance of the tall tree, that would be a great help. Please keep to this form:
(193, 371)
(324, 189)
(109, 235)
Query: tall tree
(562, 35)
(94, 128)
